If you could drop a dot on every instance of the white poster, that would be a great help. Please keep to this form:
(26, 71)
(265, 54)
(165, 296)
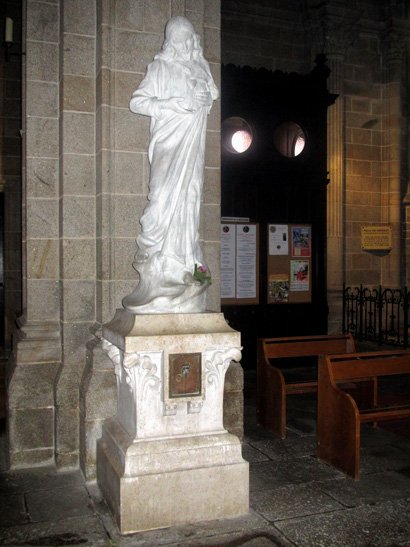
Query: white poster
(278, 239)
(228, 260)
(246, 261)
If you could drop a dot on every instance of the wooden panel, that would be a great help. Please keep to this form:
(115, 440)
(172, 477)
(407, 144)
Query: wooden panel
(308, 345)
(360, 365)
(338, 425)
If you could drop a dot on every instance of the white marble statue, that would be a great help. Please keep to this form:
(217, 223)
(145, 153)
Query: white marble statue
(177, 92)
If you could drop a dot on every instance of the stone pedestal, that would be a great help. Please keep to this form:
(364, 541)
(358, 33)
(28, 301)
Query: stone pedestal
(165, 458)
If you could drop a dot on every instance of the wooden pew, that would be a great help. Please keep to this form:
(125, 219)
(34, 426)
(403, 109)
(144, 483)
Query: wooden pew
(339, 415)
(272, 388)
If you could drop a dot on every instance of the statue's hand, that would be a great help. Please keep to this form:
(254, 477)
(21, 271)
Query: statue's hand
(203, 98)
(174, 104)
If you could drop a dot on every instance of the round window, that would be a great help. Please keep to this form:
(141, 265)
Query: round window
(236, 135)
(289, 139)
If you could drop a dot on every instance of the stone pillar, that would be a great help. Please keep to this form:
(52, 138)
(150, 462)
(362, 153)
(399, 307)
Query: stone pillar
(332, 33)
(77, 215)
(34, 364)
(335, 193)
(393, 154)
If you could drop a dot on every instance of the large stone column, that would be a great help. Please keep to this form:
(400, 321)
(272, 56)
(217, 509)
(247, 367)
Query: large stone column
(394, 154)
(332, 32)
(335, 193)
(36, 357)
(77, 207)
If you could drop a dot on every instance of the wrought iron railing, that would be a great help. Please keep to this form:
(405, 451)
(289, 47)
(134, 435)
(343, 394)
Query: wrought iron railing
(379, 315)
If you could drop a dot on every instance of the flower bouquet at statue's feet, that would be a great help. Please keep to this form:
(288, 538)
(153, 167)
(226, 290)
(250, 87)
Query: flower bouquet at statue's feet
(201, 274)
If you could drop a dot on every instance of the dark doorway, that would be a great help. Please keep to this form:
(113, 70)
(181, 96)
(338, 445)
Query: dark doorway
(280, 177)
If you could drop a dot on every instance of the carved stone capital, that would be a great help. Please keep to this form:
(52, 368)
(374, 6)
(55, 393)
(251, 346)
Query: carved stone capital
(330, 34)
(217, 363)
(114, 354)
(394, 44)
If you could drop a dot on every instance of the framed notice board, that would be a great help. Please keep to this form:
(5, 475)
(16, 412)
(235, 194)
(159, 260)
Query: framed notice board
(289, 263)
(239, 263)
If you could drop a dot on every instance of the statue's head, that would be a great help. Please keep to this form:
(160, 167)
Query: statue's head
(181, 40)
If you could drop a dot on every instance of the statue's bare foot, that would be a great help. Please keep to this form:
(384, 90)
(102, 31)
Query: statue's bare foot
(140, 256)
(189, 279)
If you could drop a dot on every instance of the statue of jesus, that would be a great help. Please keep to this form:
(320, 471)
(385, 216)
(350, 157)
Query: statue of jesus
(177, 92)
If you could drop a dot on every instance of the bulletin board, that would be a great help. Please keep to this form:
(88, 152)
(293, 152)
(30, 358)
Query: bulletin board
(289, 263)
(239, 263)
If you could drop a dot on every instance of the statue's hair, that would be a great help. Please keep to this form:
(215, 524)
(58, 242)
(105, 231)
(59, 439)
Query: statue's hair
(172, 27)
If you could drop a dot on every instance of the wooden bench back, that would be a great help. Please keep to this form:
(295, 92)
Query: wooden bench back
(304, 346)
(365, 365)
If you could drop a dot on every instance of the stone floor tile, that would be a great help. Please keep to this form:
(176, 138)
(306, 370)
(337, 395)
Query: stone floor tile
(84, 531)
(252, 455)
(268, 537)
(255, 432)
(59, 503)
(302, 423)
(304, 470)
(38, 478)
(377, 463)
(371, 438)
(292, 501)
(385, 525)
(292, 447)
(370, 489)
(12, 510)
(267, 475)
(274, 473)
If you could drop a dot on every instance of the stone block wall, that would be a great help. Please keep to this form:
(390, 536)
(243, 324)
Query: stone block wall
(263, 35)
(363, 84)
(366, 46)
(85, 185)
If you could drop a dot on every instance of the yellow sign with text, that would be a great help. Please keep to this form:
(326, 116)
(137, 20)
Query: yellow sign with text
(376, 238)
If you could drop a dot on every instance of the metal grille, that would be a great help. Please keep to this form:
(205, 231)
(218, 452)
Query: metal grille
(379, 315)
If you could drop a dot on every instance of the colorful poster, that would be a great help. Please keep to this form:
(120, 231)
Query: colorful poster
(278, 239)
(299, 271)
(301, 241)
(278, 288)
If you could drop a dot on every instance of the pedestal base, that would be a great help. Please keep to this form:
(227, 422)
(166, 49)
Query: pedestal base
(165, 459)
(167, 482)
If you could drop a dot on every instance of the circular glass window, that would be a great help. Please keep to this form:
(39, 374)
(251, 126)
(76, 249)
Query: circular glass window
(236, 135)
(289, 139)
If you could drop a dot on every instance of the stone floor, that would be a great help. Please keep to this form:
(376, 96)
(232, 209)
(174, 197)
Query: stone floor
(294, 498)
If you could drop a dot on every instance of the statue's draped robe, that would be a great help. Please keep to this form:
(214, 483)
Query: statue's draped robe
(170, 223)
